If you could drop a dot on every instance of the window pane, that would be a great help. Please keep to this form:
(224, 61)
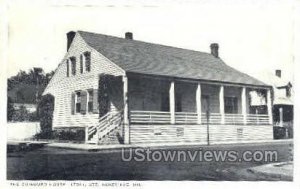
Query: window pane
(73, 62)
(91, 96)
(78, 95)
(90, 101)
(90, 107)
(78, 106)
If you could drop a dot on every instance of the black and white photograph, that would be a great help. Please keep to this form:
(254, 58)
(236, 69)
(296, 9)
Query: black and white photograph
(118, 94)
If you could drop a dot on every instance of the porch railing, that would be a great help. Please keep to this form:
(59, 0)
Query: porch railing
(234, 119)
(214, 118)
(161, 117)
(149, 117)
(256, 119)
(186, 117)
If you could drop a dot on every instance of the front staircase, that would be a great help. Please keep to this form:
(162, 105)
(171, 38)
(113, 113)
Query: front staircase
(108, 130)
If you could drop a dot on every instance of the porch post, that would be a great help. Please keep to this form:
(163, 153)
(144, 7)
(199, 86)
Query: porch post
(86, 130)
(198, 103)
(269, 104)
(126, 120)
(280, 117)
(221, 100)
(172, 101)
(244, 106)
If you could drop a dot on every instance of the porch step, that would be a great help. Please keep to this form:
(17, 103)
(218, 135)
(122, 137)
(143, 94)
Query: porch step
(112, 137)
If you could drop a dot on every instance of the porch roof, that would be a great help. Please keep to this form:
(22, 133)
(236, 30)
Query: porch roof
(154, 59)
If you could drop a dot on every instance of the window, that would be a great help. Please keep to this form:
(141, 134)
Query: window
(68, 68)
(73, 62)
(231, 105)
(78, 102)
(90, 100)
(87, 60)
(81, 63)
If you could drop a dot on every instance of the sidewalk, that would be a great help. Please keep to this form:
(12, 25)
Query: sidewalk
(283, 170)
(93, 147)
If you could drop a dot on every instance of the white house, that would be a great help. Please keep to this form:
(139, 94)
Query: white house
(140, 92)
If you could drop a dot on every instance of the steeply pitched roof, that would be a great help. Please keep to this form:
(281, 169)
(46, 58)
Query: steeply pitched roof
(278, 84)
(271, 79)
(148, 58)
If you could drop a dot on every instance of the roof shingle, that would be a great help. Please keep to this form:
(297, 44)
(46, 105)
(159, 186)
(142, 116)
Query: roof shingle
(148, 58)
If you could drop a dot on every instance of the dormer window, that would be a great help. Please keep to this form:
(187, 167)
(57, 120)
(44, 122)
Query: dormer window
(73, 64)
(87, 61)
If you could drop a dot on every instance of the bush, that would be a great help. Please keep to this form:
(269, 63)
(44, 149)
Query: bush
(45, 113)
(71, 134)
(64, 134)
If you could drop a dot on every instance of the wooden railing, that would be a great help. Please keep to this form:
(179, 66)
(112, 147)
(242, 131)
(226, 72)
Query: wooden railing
(234, 119)
(257, 119)
(186, 117)
(191, 118)
(106, 123)
(93, 129)
(214, 118)
(149, 117)
(113, 121)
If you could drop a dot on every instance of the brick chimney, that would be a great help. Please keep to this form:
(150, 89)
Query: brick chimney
(278, 73)
(70, 37)
(128, 35)
(214, 48)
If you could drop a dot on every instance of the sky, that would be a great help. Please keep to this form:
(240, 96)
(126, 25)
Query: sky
(254, 36)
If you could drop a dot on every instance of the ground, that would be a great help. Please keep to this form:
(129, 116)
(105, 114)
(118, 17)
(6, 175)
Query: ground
(61, 164)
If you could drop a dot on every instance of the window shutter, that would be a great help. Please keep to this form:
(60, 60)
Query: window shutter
(81, 64)
(83, 102)
(95, 102)
(87, 61)
(68, 68)
(73, 103)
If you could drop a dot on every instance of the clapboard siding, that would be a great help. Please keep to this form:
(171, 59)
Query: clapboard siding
(223, 133)
(61, 86)
(198, 133)
(167, 133)
(234, 92)
(212, 92)
(187, 93)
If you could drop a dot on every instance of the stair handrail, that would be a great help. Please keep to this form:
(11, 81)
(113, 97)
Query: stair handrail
(104, 122)
(110, 124)
(92, 129)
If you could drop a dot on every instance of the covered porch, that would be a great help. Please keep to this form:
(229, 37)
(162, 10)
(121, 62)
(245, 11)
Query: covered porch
(157, 100)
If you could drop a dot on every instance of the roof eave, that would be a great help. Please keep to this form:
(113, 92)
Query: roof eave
(215, 82)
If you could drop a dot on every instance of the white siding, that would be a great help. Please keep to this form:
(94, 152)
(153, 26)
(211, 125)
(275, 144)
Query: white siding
(198, 133)
(61, 86)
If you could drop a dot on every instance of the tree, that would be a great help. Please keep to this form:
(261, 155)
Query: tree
(10, 109)
(35, 79)
(21, 114)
